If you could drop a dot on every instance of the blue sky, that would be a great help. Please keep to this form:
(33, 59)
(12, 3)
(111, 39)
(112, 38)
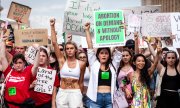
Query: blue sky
(43, 10)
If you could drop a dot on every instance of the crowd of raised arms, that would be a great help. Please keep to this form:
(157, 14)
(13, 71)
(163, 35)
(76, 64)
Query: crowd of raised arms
(120, 77)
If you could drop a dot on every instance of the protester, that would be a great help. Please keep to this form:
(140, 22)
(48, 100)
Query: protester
(19, 79)
(103, 74)
(72, 74)
(141, 80)
(43, 100)
(169, 81)
(83, 57)
(124, 72)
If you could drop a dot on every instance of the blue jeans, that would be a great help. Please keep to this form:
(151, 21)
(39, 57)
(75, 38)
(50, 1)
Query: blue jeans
(103, 101)
(86, 101)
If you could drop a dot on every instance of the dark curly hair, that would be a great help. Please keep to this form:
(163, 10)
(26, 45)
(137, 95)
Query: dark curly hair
(144, 76)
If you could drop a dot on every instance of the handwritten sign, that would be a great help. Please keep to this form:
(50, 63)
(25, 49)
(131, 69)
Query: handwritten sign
(28, 37)
(45, 80)
(107, 30)
(31, 54)
(19, 12)
(77, 13)
(156, 24)
(175, 26)
(139, 10)
(134, 23)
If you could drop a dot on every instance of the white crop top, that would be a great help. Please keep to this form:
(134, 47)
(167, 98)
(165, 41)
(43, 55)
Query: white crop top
(67, 72)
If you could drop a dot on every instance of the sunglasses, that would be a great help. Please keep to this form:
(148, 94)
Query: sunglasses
(82, 57)
(61, 49)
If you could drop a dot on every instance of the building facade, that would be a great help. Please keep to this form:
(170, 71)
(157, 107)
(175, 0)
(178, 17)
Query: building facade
(167, 5)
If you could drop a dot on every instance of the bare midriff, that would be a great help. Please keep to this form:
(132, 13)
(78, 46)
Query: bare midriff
(69, 83)
(104, 89)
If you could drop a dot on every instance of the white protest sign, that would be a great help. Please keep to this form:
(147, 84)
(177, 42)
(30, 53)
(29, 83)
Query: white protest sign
(78, 12)
(156, 24)
(175, 26)
(31, 54)
(142, 43)
(134, 23)
(139, 11)
(45, 80)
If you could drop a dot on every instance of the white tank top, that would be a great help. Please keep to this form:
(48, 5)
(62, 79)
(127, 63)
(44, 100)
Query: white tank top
(67, 72)
(86, 77)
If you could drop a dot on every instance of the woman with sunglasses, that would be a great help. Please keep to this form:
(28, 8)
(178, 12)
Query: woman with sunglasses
(71, 72)
(169, 81)
(103, 73)
(83, 57)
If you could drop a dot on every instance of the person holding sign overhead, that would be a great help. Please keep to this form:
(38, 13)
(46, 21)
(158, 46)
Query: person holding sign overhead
(103, 73)
(71, 72)
(19, 77)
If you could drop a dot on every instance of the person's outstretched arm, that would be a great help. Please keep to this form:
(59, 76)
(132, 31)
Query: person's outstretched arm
(59, 54)
(36, 61)
(88, 36)
(4, 60)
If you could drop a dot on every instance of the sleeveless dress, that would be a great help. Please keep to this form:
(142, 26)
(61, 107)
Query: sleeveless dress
(141, 96)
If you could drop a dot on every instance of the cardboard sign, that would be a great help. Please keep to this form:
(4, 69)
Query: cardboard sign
(156, 25)
(28, 37)
(139, 11)
(175, 26)
(77, 13)
(31, 54)
(45, 80)
(19, 12)
(6, 33)
(107, 30)
(134, 23)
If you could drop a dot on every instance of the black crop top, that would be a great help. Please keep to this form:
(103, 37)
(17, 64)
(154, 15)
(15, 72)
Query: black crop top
(171, 82)
(104, 78)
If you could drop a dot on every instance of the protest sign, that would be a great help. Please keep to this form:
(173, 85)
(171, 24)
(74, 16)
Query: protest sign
(175, 26)
(139, 10)
(142, 43)
(45, 80)
(77, 13)
(19, 12)
(31, 54)
(28, 37)
(6, 33)
(166, 42)
(156, 24)
(107, 30)
(134, 22)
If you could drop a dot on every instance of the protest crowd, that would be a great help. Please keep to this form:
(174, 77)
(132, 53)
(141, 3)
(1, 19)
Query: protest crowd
(127, 62)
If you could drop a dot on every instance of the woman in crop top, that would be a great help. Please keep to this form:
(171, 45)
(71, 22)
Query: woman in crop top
(170, 74)
(102, 75)
(124, 72)
(72, 74)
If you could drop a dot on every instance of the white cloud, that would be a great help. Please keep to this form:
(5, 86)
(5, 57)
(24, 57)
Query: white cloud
(43, 22)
